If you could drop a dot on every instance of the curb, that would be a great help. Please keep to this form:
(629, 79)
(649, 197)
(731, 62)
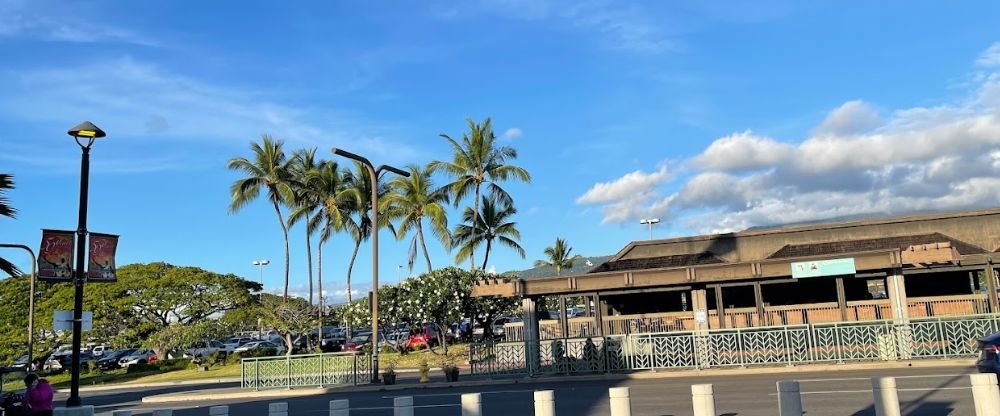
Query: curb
(121, 386)
(644, 375)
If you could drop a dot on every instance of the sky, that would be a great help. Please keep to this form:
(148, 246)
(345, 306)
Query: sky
(711, 116)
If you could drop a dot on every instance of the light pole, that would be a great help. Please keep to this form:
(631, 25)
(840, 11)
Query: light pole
(31, 302)
(260, 274)
(399, 268)
(88, 133)
(374, 175)
(649, 222)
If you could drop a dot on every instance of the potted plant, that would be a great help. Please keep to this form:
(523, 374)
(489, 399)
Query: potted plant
(449, 368)
(389, 374)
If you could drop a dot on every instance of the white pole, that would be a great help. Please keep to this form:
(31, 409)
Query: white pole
(121, 413)
(163, 412)
(403, 406)
(340, 408)
(789, 399)
(703, 398)
(218, 411)
(621, 404)
(277, 409)
(545, 403)
(472, 404)
(985, 393)
(885, 395)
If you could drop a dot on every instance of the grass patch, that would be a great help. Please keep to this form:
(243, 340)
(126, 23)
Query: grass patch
(413, 359)
(226, 371)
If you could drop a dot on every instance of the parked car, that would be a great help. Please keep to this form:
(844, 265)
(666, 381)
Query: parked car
(425, 336)
(63, 350)
(497, 326)
(139, 357)
(358, 342)
(109, 361)
(236, 342)
(989, 354)
(100, 350)
(203, 349)
(260, 345)
(21, 362)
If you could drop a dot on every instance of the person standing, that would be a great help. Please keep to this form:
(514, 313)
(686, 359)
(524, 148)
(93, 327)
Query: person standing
(38, 399)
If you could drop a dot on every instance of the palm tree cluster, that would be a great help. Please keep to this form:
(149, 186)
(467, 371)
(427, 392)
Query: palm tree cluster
(331, 199)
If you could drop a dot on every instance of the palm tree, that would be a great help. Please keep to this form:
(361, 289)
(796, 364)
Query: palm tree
(411, 200)
(478, 160)
(269, 171)
(306, 203)
(494, 223)
(6, 210)
(558, 256)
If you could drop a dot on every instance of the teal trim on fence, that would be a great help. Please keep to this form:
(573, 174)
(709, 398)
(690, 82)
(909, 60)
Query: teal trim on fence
(313, 370)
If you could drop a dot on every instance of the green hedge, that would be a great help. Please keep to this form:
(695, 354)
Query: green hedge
(161, 366)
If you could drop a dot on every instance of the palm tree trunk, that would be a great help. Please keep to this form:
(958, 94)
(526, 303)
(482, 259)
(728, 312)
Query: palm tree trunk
(420, 236)
(284, 230)
(319, 282)
(486, 257)
(475, 222)
(350, 268)
(309, 257)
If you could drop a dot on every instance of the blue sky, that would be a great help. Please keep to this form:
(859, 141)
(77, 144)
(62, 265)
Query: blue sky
(713, 117)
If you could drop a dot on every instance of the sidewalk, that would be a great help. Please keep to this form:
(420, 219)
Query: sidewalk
(410, 380)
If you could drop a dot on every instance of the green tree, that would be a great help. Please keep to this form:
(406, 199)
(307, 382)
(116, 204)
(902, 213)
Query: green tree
(479, 160)
(411, 200)
(305, 202)
(495, 225)
(558, 256)
(288, 317)
(6, 210)
(269, 170)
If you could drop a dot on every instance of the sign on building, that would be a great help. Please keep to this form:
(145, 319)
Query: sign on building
(817, 268)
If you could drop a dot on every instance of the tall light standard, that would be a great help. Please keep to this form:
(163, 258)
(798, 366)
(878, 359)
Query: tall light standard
(31, 302)
(260, 274)
(649, 222)
(85, 134)
(374, 175)
(399, 268)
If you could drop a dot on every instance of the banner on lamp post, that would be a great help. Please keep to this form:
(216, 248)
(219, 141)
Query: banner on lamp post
(55, 256)
(101, 267)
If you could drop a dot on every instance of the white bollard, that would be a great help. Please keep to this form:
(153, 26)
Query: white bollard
(121, 413)
(545, 403)
(703, 398)
(472, 404)
(163, 412)
(277, 409)
(986, 394)
(789, 399)
(340, 408)
(218, 411)
(73, 411)
(621, 404)
(885, 395)
(403, 406)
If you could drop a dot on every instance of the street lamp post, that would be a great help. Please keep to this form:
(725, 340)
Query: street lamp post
(260, 274)
(374, 174)
(85, 134)
(649, 222)
(31, 302)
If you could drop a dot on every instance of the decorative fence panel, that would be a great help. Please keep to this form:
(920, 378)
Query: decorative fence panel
(305, 371)
(882, 340)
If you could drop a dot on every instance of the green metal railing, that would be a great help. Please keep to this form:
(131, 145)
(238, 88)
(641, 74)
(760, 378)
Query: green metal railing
(884, 340)
(314, 370)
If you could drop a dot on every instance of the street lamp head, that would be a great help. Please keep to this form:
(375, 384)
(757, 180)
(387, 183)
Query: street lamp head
(261, 262)
(649, 221)
(86, 130)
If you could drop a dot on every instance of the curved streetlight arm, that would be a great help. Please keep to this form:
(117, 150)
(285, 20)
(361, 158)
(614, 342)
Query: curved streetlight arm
(31, 301)
(349, 155)
(392, 169)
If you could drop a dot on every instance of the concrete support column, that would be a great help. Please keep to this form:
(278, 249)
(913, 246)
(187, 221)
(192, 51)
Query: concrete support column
(895, 284)
(472, 404)
(621, 404)
(73, 411)
(720, 307)
(789, 398)
(531, 336)
(545, 403)
(991, 286)
(703, 400)
(886, 397)
(340, 408)
(601, 309)
(985, 394)
(758, 296)
(699, 304)
(563, 316)
(402, 406)
(842, 299)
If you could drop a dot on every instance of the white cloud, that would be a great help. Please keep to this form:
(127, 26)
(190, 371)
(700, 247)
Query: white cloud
(742, 151)
(990, 57)
(851, 117)
(513, 133)
(918, 159)
(62, 23)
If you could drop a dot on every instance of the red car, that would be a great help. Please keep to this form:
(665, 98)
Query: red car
(423, 337)
(358, 342)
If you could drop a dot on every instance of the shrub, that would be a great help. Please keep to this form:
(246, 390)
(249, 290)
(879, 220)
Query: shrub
(172, 364)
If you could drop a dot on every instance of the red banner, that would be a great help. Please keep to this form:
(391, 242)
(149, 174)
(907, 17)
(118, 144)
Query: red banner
(101, 267)
(55, 258)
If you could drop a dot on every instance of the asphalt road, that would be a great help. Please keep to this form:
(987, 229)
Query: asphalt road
(922, 392)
